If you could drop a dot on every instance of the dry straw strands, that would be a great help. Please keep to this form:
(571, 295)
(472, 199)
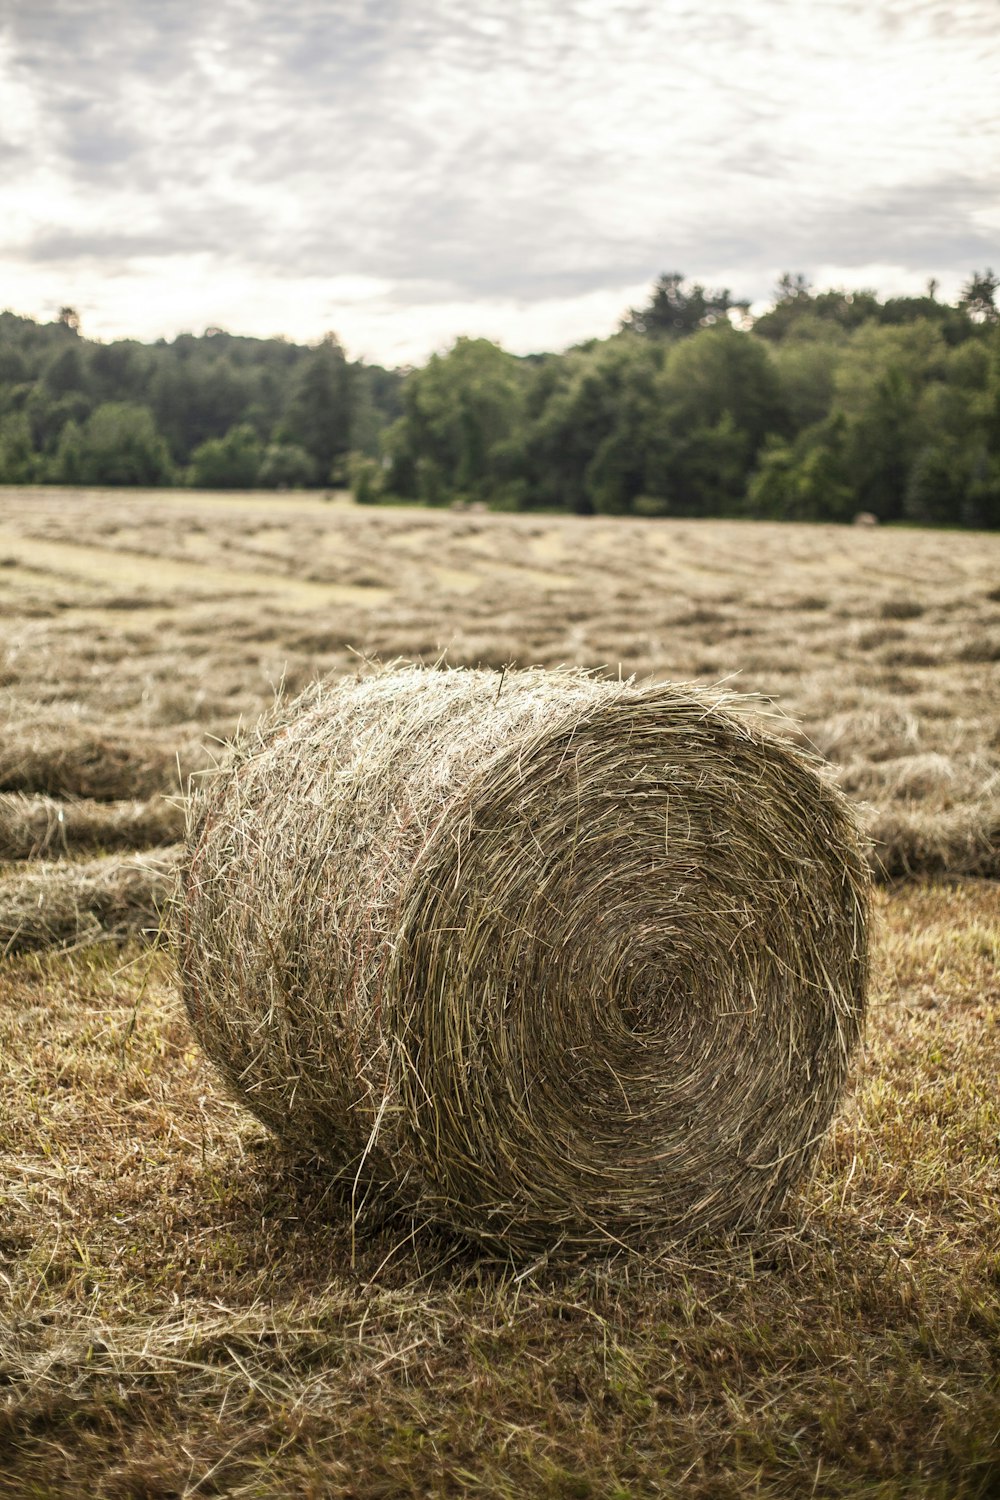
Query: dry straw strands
(59, 759)
(67, 905)
(929, 814)
(560, 962)
(37, 827)
(962, 841)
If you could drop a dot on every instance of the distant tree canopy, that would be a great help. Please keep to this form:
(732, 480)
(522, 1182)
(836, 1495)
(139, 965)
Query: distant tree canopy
(675, 309)
(829, 403)
(832, 402)
(216, 410)
(458, 411)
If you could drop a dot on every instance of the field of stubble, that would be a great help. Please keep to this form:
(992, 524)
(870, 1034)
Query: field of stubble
(184, 1311)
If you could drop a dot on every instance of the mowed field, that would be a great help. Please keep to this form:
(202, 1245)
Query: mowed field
(185, 1310)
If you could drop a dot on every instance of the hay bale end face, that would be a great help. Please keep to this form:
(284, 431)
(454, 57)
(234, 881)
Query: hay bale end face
(559, 962)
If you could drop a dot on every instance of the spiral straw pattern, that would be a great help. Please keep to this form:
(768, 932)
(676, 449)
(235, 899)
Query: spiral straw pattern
(559, 962)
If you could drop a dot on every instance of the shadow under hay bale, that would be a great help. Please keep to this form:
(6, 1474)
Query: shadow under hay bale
(561, 963)
(66, 905)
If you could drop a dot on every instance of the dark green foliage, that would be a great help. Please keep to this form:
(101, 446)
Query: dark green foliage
(298, 411)
(197, 400)
(318, 416)
(674, 309)
(806, 479)
(721, 397)
(230, 462)
(937, 482)
(47, 416)
(285, 466)
(65, 372)
(981, 502)
(365, 480)
(795, 303)
(19, 463)
(978, 299)
(458, 413)
(120, 445)
(885, 416)
(833, 402)
(13, 366)
(116, 367)
(585, 449)
(67, 466)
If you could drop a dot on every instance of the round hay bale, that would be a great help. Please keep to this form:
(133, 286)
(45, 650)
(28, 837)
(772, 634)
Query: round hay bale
(560, 962)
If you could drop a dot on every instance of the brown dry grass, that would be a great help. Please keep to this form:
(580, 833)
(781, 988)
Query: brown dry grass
(183, 1310)
(70, 904)
(154, 622)
(47, 827)
(57, 756)
(186, 1311)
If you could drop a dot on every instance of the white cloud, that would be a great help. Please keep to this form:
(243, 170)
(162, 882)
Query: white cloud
(483, 166)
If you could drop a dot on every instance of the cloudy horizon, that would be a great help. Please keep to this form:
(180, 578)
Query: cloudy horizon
(402, 173)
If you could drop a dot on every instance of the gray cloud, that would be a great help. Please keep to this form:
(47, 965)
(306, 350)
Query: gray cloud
(523, 149)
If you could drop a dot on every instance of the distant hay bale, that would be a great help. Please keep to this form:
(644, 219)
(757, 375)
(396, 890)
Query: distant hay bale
(34, 827)
(67, 905)
(58, 759)
(559, 962)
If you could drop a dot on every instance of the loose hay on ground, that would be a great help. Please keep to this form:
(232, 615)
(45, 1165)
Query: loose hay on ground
(60, 759)
(560, 962)
(919, 841)
(67, 904)
(33, 827)
(929, 814)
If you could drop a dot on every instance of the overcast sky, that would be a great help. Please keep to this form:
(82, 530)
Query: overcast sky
(402, 171)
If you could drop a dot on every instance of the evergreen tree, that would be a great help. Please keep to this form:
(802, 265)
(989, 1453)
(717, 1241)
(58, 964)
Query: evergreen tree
(318, 416)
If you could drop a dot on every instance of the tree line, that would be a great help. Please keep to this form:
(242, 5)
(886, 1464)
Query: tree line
(215, 411)
(830, 403)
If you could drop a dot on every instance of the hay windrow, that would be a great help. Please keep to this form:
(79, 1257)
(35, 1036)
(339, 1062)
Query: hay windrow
(68, 904)
(559, 962)
(929, 814)
(33, 827)
(59, 759)
(961, 841)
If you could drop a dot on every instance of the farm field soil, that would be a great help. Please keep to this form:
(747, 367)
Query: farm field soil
(185, 1310)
